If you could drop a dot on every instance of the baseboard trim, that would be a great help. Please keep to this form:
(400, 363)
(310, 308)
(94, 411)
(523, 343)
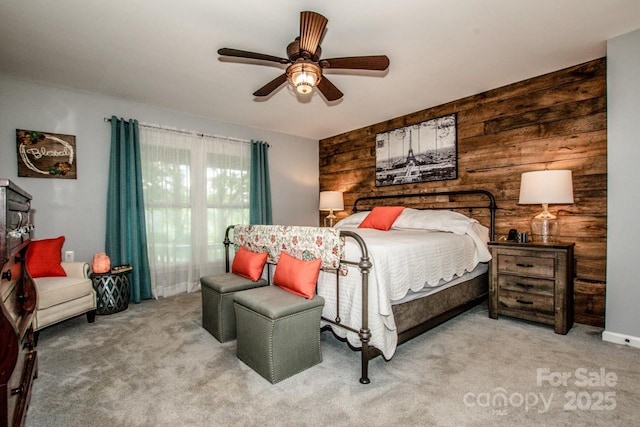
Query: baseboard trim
(617, 338)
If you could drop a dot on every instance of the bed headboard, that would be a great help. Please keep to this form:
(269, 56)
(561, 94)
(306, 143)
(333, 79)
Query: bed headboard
(463, 200)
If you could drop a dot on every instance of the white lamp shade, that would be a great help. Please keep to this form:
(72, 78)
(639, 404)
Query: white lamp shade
(547, 186)
(331, 200)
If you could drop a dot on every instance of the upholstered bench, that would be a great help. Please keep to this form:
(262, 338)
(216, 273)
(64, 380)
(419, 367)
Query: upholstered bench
(218, 316)
(278, 332)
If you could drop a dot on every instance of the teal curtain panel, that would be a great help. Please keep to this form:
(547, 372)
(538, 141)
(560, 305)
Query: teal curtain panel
(260, 186)
(126, 240)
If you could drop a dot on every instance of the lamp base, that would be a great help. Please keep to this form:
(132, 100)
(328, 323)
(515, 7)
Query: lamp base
(544, 229)
(330, 219)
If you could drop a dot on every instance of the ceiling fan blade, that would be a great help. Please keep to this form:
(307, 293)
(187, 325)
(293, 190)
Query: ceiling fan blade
(329, 90)
(375, 62)
(251, 55)
(312, 27)
(271, 86)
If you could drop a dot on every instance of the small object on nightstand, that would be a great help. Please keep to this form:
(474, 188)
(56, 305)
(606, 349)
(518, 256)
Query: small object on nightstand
(532, 281)
(121, 269)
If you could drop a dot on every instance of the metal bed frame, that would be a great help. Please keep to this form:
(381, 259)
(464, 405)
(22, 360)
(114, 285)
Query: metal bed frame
(365, 265)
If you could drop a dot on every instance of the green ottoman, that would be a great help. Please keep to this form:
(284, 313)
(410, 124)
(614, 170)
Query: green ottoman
(218, 316)
(278, 332)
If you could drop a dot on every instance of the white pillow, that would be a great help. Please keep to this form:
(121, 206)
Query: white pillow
(352, 220)
(433, 219)
(445, 220)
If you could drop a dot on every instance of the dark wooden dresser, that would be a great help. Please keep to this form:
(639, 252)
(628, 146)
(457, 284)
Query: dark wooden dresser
(18, 357)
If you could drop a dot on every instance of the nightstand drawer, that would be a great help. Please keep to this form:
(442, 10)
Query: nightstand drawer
(522, 302)
(527, 265)
(527, 285)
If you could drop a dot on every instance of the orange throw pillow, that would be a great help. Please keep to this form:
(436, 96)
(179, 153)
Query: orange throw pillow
(297, 276)
(43, 258)
(382, 217)
(249, 264)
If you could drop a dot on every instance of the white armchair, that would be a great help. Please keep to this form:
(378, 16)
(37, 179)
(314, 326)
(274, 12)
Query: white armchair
(61, 298)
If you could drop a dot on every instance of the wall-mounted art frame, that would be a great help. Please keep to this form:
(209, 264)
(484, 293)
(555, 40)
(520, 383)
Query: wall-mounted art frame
(46, 155)
(423, 152)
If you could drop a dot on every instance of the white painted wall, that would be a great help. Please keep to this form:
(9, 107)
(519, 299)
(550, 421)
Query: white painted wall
(76, 208)
(623, 192)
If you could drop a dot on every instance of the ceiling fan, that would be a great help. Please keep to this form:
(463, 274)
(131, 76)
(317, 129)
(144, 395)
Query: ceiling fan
(305, 69)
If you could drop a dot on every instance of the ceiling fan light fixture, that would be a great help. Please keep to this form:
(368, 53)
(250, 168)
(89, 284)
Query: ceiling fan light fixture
(305, 66)
(304, 75)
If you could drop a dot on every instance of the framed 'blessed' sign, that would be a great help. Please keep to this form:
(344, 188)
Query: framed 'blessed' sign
(46, 155)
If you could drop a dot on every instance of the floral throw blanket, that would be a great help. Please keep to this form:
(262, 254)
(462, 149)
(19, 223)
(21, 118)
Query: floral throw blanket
(304, 243)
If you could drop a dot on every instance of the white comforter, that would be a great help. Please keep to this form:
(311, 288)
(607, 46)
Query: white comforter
(403, 259)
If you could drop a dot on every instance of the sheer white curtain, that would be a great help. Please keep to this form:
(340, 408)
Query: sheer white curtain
(194, 187)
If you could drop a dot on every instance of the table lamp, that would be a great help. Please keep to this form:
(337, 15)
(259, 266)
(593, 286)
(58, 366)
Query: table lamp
(331, 201)
(546, 187)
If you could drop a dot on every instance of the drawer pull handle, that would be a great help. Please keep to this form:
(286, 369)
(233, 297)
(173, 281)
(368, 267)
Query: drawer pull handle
(524, 285)
(519, 264)
(524, 302)
(17, 390)
(6, 275)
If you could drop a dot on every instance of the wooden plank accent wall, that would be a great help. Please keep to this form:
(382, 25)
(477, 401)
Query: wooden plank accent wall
(554, 121)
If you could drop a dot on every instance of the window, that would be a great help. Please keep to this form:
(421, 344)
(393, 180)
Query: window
(194, 187)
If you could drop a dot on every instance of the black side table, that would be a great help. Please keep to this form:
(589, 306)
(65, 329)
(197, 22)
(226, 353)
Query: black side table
(112, 291)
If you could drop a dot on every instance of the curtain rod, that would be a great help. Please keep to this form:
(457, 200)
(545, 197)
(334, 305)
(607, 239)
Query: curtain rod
(187, 132)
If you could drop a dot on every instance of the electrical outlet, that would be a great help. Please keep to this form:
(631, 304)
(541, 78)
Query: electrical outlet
(68, 256)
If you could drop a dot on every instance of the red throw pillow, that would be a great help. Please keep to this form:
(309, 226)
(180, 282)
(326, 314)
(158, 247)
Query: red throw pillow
(249, 264)
(297, 276)
(382, 217)
(43, 258)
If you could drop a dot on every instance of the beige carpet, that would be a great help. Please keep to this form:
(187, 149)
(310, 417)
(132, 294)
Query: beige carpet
(153, 365)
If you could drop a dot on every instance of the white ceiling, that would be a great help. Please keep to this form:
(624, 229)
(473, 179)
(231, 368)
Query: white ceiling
(164, 52)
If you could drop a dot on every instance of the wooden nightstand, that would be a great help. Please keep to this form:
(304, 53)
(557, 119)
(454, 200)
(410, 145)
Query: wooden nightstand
(532, 281)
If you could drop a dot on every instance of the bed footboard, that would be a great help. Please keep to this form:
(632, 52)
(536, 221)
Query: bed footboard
(363, 332)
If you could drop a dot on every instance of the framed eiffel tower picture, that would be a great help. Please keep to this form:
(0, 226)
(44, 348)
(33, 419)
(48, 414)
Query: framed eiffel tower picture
(423, 152)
